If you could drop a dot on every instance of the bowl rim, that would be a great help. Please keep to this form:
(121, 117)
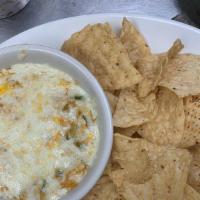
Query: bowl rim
(81, 191)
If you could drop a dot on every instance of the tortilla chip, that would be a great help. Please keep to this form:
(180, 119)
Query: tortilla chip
(151, 68)
(191, 134)
(132, 158)
(104, 189)
(168, 181)
(112, 99)
(142, 191)
(124, 143)
(118, 176)
(182, 75)
(133, 41)
(191, 194)
(167, 127)
(98, 48)
(129, 132)
(131, 111)
(194, 172)
(168, 177)
(175, 49)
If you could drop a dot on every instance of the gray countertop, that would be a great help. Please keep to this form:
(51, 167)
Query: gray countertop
(42, 11)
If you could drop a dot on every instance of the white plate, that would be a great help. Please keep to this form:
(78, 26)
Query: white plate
(159, 33)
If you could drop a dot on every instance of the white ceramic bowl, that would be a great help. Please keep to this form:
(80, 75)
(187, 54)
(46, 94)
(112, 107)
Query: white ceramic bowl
(41, 54)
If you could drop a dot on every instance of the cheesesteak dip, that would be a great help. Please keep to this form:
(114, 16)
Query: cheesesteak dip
(48, 133)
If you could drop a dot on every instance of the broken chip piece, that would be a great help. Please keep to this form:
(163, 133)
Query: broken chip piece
(167, 127)
(133, 41)
(132, 111)
(182, 75)
(98, 48)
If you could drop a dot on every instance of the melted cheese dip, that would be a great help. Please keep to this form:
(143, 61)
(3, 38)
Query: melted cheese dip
(48, 133)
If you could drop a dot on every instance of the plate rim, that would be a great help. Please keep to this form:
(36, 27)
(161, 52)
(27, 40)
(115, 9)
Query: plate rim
(113, 15)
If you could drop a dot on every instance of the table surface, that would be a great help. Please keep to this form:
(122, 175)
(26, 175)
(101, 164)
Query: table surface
(41, 11)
